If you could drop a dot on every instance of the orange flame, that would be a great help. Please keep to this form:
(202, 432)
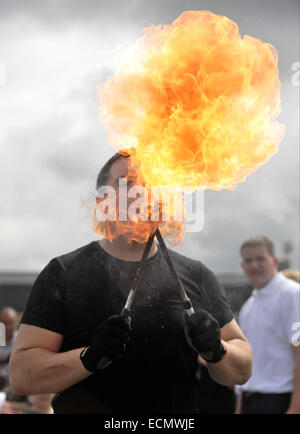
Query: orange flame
(197, 101)
(143, 210)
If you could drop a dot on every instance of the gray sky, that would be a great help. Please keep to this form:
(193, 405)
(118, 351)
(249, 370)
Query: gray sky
(52, 142)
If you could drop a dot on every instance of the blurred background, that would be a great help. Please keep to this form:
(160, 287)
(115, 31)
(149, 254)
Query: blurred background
(53, 54)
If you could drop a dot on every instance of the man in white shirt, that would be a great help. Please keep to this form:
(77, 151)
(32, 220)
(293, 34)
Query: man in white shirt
(269, 319)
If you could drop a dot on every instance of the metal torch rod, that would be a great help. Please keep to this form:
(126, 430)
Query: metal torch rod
(131, 295)
(186, 301)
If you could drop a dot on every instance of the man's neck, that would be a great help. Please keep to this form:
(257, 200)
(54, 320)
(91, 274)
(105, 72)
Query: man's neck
(119, 248)
(262, 286)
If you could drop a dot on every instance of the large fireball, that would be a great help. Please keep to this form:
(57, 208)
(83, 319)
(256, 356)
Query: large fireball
(197, 101)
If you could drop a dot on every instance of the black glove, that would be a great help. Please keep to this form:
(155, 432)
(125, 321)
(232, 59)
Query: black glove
(109, 342)
(205, 335)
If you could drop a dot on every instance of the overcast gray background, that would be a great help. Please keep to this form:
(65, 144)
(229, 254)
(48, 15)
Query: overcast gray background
(52, 142)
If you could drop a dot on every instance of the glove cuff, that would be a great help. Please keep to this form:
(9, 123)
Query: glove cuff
(215, 356)
(85, 357)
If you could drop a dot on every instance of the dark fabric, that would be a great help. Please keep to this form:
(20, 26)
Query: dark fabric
(77, 291)
(265, 403)
(76, 400)
(214, 398)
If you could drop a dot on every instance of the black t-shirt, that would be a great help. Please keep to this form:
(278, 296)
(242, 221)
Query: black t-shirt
(158, 373)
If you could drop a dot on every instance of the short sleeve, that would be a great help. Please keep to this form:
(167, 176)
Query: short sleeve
(45, 305)
(290, 314)
(218, 302)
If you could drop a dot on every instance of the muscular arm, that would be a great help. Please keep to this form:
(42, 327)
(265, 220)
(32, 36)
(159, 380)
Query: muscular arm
(36, 366)
(236, 366)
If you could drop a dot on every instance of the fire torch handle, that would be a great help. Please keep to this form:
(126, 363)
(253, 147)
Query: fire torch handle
(105, 361)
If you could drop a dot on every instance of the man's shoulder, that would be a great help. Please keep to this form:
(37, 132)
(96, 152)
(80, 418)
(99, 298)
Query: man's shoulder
(185, 261)
(196, 269)
(288, 293)
(288, 286)
(80, 254)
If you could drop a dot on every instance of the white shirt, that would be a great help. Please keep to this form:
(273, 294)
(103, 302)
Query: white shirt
(266, 319)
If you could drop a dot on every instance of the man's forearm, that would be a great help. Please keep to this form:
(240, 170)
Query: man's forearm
(38, 371)
(236, 366)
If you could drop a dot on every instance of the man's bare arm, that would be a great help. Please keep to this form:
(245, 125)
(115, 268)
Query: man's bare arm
(236, 367)
(37, 367)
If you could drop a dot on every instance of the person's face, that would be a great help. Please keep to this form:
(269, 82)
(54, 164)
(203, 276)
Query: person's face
(131, 215)
(120, 169)
(259, 266)
(123, 169)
